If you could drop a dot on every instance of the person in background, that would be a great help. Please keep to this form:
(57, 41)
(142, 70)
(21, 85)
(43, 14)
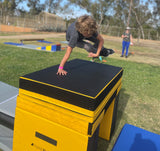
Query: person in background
(127, 41)
(84, 28)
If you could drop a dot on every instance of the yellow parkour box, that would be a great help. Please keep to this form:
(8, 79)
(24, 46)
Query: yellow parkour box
(80, 97)
(77, 103)
(78, 121)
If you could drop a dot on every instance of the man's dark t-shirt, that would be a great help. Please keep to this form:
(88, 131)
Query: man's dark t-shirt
(73, 36)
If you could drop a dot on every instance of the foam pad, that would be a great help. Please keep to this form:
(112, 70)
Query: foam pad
(133, 138)
(86, 84)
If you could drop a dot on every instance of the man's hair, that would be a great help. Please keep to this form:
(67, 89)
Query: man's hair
(87, 24)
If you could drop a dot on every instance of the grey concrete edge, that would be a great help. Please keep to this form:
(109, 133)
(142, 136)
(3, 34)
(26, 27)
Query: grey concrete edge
(4, 147)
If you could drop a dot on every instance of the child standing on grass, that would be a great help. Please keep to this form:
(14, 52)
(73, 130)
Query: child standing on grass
(127, 40)
(85, 28)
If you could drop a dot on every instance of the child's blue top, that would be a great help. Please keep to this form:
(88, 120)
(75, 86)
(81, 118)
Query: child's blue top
(73, 36)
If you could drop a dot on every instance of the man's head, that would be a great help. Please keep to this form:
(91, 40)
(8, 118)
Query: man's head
(86, 25)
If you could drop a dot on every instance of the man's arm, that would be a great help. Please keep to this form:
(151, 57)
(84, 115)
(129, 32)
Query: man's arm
(64, 60)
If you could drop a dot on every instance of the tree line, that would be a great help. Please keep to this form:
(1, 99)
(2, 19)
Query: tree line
(138, 14)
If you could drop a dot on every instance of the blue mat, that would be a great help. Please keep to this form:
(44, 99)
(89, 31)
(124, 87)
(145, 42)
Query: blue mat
(43, 41)
(12, 43)
(133, 138)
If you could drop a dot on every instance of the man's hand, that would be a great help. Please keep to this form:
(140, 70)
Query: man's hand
(91, 54)
(61, 72)
(64, 60)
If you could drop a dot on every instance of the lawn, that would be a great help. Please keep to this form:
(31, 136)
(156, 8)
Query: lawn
(139, 102)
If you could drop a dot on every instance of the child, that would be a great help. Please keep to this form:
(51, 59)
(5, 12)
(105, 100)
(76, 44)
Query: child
(84, 28)
(127, 40)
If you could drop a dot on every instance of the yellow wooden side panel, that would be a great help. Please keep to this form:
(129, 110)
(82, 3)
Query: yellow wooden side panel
(63, 118)
(53, 107)
(106, 123)
(51, 136)
(56, 115)
(56, 102)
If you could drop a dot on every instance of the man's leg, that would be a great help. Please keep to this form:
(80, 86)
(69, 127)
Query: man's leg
(105, 52)
(93, 48)
(87, 46)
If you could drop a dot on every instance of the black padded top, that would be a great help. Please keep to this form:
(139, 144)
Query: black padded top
(85, 79)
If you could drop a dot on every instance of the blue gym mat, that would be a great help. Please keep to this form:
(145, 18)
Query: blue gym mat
(12, 43)
(133, 138)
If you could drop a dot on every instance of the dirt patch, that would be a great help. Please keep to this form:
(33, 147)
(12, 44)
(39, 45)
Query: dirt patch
(30, 36)
(9, 28)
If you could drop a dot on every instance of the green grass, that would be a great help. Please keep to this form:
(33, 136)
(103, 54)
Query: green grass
(139, 101)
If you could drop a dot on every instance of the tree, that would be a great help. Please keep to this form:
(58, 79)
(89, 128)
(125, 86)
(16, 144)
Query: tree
(156, 13)
(130, 8)
(52, 5)
(35, 7)
(157, 7)
(8, 7)
(121, 12)
(134, 14)
(142, 16)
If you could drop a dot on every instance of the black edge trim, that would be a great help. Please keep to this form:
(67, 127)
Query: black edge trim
(58, 94)
(114, 114)
(90, 128)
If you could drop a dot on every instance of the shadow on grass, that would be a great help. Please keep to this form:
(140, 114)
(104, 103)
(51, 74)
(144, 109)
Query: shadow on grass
(122, 103)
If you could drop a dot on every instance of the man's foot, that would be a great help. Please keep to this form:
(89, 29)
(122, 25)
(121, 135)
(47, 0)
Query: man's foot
(121, 55)
(105, 52)
(100, 58)
(126, 56)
